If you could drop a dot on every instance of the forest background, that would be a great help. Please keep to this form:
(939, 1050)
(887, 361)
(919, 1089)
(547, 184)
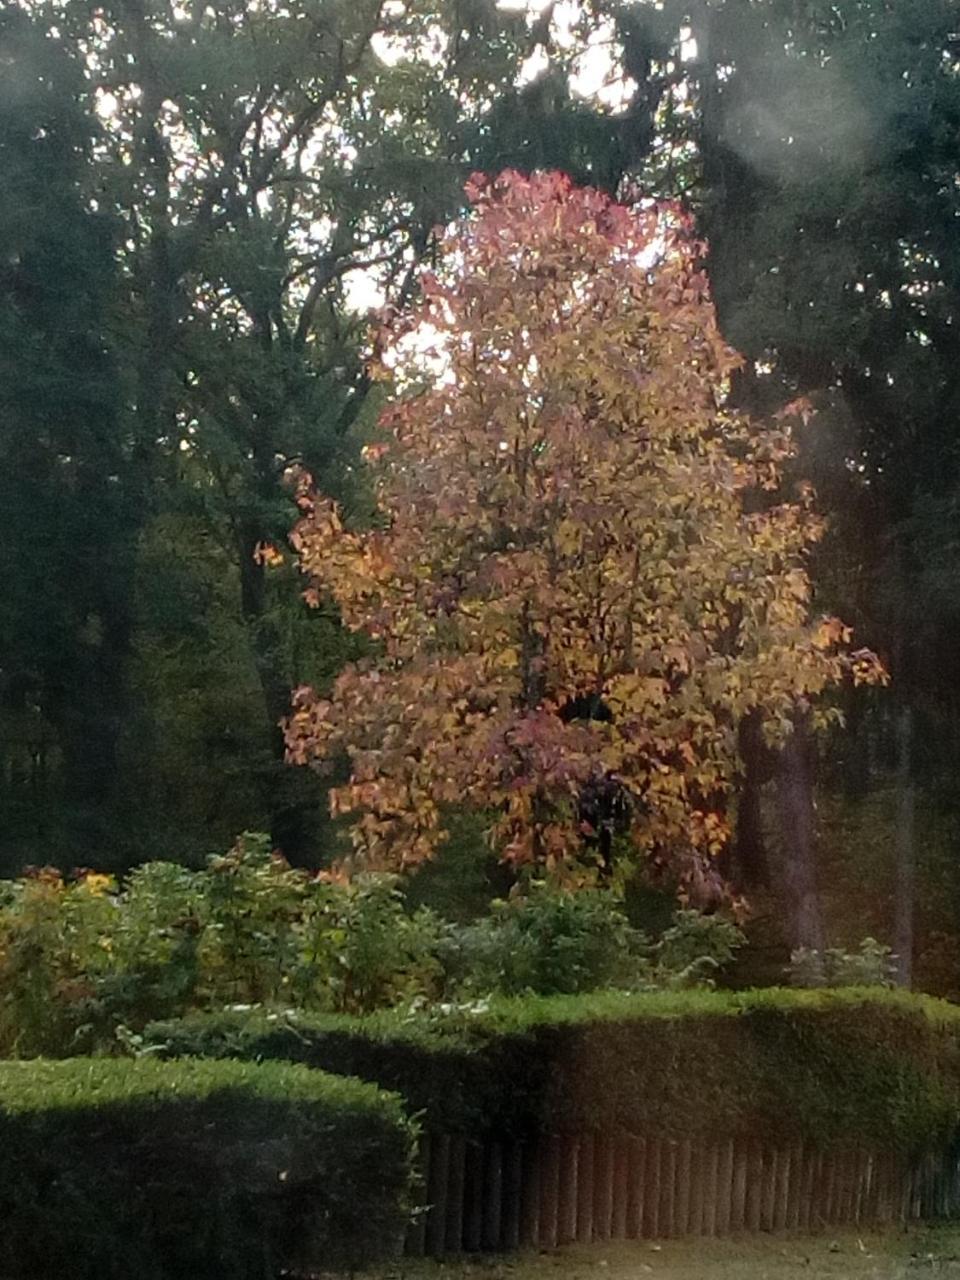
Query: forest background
(205, 212)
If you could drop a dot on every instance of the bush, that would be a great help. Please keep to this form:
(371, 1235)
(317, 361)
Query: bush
(80, 959)
(118, 1169)
(874, 1068)
(548, 943)
(85, 961)
(560, 942)
(872, 965)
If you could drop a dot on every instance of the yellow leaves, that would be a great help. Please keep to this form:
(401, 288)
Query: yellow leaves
(636, 693)
(568, 537)
(868, 669)
(97, 884)
(266, 553)
(509, 659)
(829, 633)
(571, 500)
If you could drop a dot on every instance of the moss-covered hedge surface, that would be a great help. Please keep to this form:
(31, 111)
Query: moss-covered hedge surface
(148, 1170)
(871, 1067)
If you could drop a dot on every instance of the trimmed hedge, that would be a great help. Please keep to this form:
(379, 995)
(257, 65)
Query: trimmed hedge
(208, 1170)
(869, 1067)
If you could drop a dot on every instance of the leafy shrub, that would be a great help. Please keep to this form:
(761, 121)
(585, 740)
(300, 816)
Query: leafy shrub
(111, 1169)
(872, 965)
(85, 962)
(81, 959)
(876, 1068)
(560, 942)
(550, 942)
(693, 950)
(362, 950)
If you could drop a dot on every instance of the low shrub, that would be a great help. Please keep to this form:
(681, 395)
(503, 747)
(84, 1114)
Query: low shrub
(85, 960)
(871, 1067)
(83, 957)
(549, 942)
(871, 965)
(111, 1169)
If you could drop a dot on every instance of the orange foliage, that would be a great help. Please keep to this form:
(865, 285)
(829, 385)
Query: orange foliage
(570, 511)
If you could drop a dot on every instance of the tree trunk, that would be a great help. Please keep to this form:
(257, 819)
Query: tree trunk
(906, 867)
(798, 878)
(288, 821)
(750, 865)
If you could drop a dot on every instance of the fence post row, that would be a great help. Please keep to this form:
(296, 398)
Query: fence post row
(499, 1194)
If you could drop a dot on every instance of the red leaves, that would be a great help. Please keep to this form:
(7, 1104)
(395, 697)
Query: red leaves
(561, 518)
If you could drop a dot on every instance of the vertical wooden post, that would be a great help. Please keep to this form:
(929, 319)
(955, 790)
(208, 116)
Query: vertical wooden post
(681, 1199)
(698, 1177)
(725, 1188)
(711, 1184)
(454, 1242)
(668, 1180)
(436, 1231)
(603, 1188)
(585, 1189)
(567, 1208)
(512, 1194)
(492, 1196)
(621, 1186)
(530, 1195)
(844, 1187)
(768, 1202)
(795, 1187)
(754, 1185)
(549, 1191)
(781, 1208)
(868, 1172)
(848, 1190)
(829, 1187)
(809, 1216)
(740, 1181)
(882, 1199)
(651, 1190)
(637, 1164)
(474, 1176)
(886, 1182)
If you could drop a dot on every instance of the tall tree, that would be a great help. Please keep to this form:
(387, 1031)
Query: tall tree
(261, 160)
(585, 573)
(68, 498)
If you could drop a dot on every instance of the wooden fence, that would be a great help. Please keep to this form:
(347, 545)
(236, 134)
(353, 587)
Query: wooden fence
(556, 1190)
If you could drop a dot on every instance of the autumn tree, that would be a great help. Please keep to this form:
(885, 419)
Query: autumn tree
(585, 573)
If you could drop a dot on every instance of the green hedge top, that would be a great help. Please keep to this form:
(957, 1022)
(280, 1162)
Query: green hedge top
(160, 1170)
(875, 1067)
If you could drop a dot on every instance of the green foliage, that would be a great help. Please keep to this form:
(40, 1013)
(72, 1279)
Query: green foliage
(878, 1068)
(553, 941)
(694, 948)
(84, 962)
(549, 942)
(81, 959)
(362, 950)
(871, 965)
(114, 1169)
(68, 514)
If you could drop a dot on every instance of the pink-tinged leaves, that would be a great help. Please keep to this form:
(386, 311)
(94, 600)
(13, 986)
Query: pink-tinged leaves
(568, 510)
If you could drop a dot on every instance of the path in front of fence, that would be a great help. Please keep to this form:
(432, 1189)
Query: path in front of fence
(894, 1254)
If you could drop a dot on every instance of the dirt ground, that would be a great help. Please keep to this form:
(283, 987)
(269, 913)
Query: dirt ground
(910, 1255)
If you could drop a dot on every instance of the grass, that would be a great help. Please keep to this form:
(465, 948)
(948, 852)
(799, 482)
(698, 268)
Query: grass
(909, 1255)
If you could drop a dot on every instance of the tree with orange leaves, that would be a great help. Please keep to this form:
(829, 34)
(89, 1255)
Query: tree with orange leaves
(585, 572)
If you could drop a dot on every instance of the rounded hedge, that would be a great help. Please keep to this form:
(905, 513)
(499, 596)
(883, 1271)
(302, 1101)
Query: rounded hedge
(870, 1067)
(111, 1169)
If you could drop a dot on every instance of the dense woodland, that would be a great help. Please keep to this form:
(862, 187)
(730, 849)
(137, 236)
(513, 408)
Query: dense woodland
(207, 213)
